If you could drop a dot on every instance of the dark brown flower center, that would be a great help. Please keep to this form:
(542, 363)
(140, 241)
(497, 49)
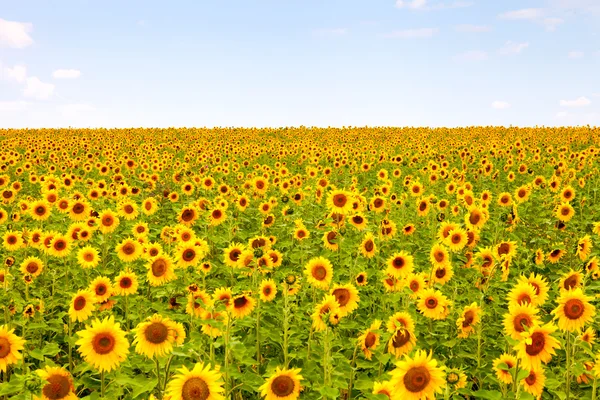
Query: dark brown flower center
(103, 343)
(32, 267)
(538, 342)
(570, 282)
(521, 321)
(4, 347)
(401, 337)
(574, 309)
(531, 378)
(469, 317)
(129, 248)
(101, 289)
(189, 255)
(342, 295)
(319, 272)
(369, 245)
(58, 387)
(195, 389)
(416, 379)
(156, 333)
(159, 267)
(240, 302)
(398, 262)
(370, 340)
(125, 283)
(431, 303)
(282, 386)
(79, 303)
(340, 200)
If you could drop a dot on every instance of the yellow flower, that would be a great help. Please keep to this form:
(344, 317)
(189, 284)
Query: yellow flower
(59, 384)
(10, 347)
(154, 337)
(82, 305)
(284, 384)
(103, 344)
(419, 377)
(201, 382)
(574, 310)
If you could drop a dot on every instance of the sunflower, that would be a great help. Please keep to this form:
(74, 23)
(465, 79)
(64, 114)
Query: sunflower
(284, 384)
(88, 257)
(319, 272)
(217, 216)
(573, 310)
(439, 255)
(198, 302)
(367, 246)
(241, 306)
(584, 247)
(537, 346)
(433, 304)
(419, 377)
(416, 284)
(223, 295)
(475, 218)
(556, 254)
(442, 274)
(187, 216)
(385, 388)
(457, 239)
(160, 270)
(470, 317)
(102, 288)
(60, 246)
(534, 382)
(570, 280)
(564, 212)
(540, 285)
(502, 366)
(403, 338)
(361, 279)
(339, 201)
(126, 283)
(103, 344)
(10, 346)
(78, 210)
(347, 298)
(108, 221)
(189, 255)
(588, 336)
(129, 250)
(408, 229)
(12, 241)
(328, 307)
(301, 233)
(444, 230)
(358, 221)
(506, 249)
(82, 305)
(154, 337)
(519, 318)
(149, 206)
(199, 383)
(268, 290)
(567, 194)
(232, 254)
(40, 210)
(400, 265)
(331, 239)
(456, 379)
(369, 339)
(423, 207)
(522, 293)
(59, 384)
(32, 266)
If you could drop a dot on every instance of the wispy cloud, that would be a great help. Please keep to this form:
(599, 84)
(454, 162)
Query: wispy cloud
(15, 34)
(576, 54)
(579, 102)
(513, 48)
(426, 5)
(37, 89)
(412, 33)
(18, 73)
(525, 13)
(471, 56)
(500, 105)
(472, 28)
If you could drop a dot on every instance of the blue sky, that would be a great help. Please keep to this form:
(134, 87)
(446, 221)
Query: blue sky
(299, 62)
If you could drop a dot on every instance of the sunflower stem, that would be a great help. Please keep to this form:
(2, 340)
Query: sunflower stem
(594, 389)
(127, 312)
(568, 372)
(70, 325)
(326, 358)
(352, 362)
(286, 327)
(226, 372)
(258, 336)
(516, 385)
(102, 387)
(158, 377)
(167, 368)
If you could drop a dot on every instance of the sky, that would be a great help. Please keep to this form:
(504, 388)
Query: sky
(206, 63)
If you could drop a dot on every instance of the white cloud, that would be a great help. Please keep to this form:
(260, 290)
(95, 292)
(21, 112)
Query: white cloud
(579, 102)
(17, 73)
(330, 32)
(576, 54)
(551, 23)
(19, 105)
(500, 105)
(596, 94)
(15, 34)
(577, 6)
(413, 4)
(513, 48)
(525, 13)
(469, 56)
(37, 89)
(412, 33)
(66, 74)
(472, 28)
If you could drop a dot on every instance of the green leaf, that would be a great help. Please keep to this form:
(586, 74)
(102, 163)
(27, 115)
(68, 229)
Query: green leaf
(488, 394)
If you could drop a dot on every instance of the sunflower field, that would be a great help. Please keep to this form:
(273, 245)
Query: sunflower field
(299, 263)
